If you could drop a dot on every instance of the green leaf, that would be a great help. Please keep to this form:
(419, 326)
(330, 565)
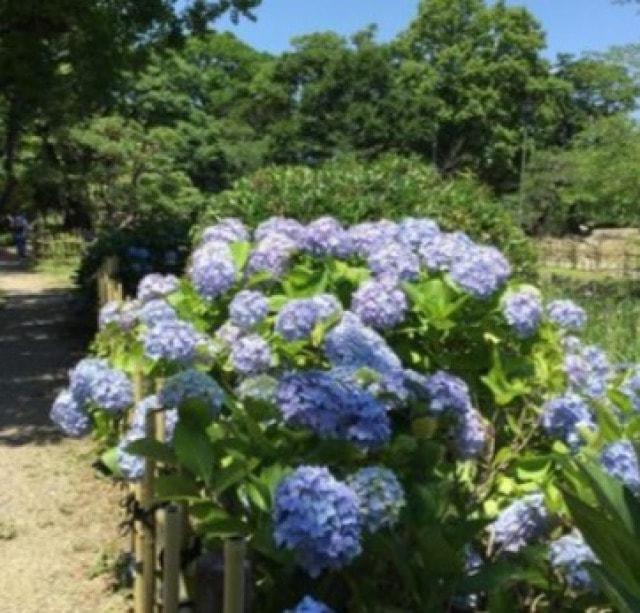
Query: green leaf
(176, 487)
(240, 253)
(154, 450)
(195, 451)
(624, 600)
(504, 390)
(228, 476)
(110, 459)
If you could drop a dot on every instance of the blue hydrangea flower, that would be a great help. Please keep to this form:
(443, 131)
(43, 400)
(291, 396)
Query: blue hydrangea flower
(131, 466)
(191, 385)
(156, 310)
(212, 270)
(631, 387)
(271, 255)
(317, 518)
(83, 376)
(381, 497)
(326, 236)
(309, 605)
(519, 523)
(569, 554)
(367, 236)
(332, 408)
(563, 415)
(248, 308)
(471, 434)
(172, 340)
(442, 250)
(620, 460)
(123, 314)
(156, 285)
(523, 310)
(142, 409)
(260, 387)
(414, 232)
(444, 392)
(350, 343)
(480, 271)
(588, 371)
(228, 334)
(567, 314)
(68, 415)
(380, 304)
(251, 355)
(296, 319)
(394, 259)
(227, 230)
(326, 305)
(111, 391)
(283, 226)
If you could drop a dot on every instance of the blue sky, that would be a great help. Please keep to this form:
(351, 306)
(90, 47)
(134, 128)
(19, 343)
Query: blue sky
(571, 25)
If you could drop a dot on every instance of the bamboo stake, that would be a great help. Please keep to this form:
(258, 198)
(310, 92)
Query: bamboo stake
(144, 597)
(171, 569)
(234, 556)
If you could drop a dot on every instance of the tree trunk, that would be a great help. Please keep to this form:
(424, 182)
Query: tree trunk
(10, 151)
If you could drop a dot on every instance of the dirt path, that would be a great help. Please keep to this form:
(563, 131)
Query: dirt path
(58, 523)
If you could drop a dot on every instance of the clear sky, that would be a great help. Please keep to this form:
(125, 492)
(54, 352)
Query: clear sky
(572, 25)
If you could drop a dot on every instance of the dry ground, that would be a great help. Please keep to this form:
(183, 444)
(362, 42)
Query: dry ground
(58, 523)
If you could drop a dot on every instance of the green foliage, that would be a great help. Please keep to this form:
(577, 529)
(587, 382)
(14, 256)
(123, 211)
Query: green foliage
(594, 182)
(391, 187)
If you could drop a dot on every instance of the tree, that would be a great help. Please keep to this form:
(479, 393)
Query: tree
(61, 60)
(492, 86)
(599, 88)
(594, 182)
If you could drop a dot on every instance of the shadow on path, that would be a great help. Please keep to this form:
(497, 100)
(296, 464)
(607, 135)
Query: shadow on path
(41, 337)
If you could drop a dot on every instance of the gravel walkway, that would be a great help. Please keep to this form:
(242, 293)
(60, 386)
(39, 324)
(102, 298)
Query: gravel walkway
(58, 523)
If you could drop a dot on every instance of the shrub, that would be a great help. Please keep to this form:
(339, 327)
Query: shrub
(355, 191)
(382, 443)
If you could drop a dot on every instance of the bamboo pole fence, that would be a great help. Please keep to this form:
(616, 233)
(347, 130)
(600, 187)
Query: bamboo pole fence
(160, 533)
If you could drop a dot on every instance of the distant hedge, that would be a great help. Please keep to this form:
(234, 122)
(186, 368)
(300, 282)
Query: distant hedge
(391, 187)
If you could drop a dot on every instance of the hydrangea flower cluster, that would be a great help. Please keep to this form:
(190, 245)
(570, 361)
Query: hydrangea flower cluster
(132, 466)
(523, 310)
(444, 392)
(381, 497)
(332, 408)
(480, 271)
(251, 355)
(92, 383)
(414, 232)
(380, 304)
(564, 415)
(212, 270)
(471, 434)
(124, 315)
(282, 226)
(326, 237)
(441, 251)
(317, 518)
(192, 385)
(310, 605)
(569, 554)
(588, 370)
(567, 314)
(68, 415)
(155, 285)
(631, 387)
(394, 260)
(227, 230)
(297, 318)
(272, 255)
(620, 460)
(368, 236)
(155, 311)
(520, 523)
(172, 340)
(248, 308)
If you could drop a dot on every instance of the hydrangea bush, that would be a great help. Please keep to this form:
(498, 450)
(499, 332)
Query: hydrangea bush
(371, 407)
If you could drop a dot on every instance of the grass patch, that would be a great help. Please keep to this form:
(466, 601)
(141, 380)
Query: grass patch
(613, 306)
